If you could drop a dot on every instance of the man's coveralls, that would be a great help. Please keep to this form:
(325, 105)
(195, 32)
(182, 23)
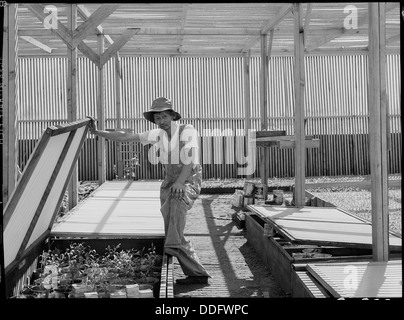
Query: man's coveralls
(173, 209)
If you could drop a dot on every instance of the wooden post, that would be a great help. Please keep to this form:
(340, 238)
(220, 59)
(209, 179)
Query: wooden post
(246, 62)
(72, 99)
(264, 114)
(118, 77)
(378, 131)
(299, 84)
(247, 97)
(100, 114)
(10, 100)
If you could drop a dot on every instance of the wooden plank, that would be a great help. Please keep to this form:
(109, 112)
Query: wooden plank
(163, 279)
(304, 286)
(37, 43)
(9, 96)
(247, 89)
(101, 160)
(299, 85)
(378, 131)
(93, 21)
(312, 143)
(118, 89)
(64, 34)
(264, 112)
(84, 13)
(117, 45)
(381, 279)
(89, 53)
(307, 22)
(170, 277)
(269, 134)
(66, 127)
(71, 94)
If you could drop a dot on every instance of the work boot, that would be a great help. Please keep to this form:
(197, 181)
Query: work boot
(193, 280)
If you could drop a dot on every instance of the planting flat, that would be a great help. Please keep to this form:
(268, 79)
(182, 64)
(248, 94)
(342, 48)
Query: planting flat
(115, 209)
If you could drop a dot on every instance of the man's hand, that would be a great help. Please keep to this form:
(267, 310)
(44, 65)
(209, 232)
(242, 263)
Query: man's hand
(93, 125)
(177, 190)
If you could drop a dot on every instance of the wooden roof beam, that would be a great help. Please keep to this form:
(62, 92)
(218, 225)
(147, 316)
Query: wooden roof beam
(283, 12)
(307, 22)
(183, 19)
(37, 43)
(192, 31)
(85, 14)
(341, 31)
(93, 21)
(60, 30)
(117, 45)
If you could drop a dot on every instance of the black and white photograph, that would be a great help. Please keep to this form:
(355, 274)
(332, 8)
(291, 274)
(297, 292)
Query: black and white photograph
(211, 159)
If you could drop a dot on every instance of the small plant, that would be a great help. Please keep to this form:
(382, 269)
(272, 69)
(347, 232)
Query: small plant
(114, 269)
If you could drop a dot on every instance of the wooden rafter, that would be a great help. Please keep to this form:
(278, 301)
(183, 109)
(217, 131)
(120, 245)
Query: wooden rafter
(60, 30)
(307, 22)
(183, 20)
(93, 21)
(37, 43)
(85, 14)
(117, 45)
(89, 53)
(270, 41)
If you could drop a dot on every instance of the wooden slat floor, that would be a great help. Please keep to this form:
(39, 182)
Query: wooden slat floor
(236, 268)
(325, 225)
(360, 279)
(115, 209)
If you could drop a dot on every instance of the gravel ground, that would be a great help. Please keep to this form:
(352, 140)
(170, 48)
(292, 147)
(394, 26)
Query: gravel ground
(358, 202)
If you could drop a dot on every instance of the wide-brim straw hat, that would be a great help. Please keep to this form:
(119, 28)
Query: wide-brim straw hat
(160, 105)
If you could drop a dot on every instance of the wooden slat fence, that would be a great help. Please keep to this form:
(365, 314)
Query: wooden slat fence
(208, 92)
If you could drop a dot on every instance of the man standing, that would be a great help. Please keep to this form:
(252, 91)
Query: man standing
(178, 150)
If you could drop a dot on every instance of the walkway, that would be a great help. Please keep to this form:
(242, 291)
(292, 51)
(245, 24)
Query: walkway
(236, 269)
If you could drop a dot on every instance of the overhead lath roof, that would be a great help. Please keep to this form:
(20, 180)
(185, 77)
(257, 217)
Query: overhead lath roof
(214, 29)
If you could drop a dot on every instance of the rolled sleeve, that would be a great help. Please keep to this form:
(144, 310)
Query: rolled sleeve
(151, 136)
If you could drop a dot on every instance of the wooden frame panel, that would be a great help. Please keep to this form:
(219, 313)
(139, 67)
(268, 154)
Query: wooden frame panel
(31, 209)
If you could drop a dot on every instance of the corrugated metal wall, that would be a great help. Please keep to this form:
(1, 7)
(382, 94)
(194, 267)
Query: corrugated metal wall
(208, 92)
